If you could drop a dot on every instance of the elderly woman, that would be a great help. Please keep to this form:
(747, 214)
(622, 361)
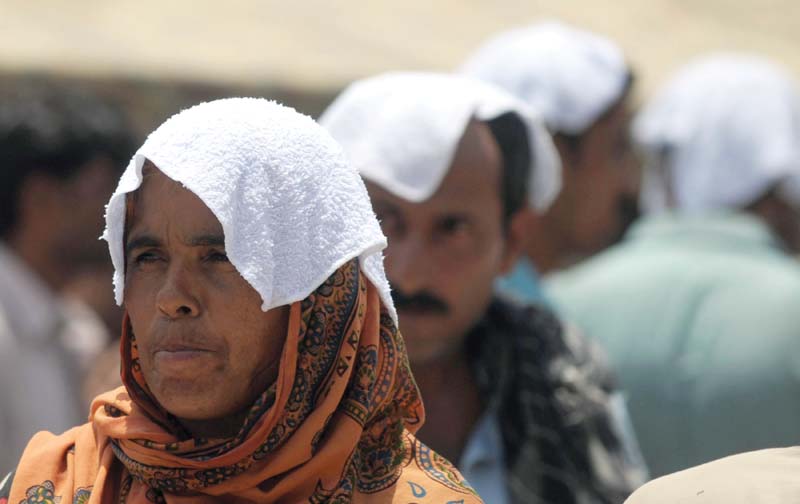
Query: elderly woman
(260, 356)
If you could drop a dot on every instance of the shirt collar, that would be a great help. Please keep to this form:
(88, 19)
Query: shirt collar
(485, 444)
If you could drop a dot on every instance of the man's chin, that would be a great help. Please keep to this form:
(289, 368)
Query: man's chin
(427, 349)
(419, 327)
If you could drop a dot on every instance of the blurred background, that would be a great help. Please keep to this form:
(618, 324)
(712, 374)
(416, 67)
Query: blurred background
(158, 57)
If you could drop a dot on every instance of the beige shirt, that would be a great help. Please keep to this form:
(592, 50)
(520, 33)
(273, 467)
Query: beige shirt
(759, 477)
(45, 346)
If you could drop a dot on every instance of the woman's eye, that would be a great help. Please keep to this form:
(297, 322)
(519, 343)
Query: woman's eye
(145, 257)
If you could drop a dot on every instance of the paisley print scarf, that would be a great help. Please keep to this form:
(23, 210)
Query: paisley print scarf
(337, 426)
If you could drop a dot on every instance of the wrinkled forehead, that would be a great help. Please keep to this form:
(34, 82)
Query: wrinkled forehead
(148, 205)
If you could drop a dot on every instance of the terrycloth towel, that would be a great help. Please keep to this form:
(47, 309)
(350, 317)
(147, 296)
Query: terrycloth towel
(401, 131)
(720, 134)
(572, 76)
(290, 206)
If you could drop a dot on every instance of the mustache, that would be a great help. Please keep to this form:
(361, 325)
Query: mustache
(420, 302)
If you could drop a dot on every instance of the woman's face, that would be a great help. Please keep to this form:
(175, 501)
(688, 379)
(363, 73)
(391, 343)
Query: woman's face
(206, 348)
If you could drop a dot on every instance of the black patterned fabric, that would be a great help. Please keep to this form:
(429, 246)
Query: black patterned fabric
(552, 387)
(5, 487)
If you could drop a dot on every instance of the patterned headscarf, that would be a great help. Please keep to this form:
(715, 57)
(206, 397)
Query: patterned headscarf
(337, 426)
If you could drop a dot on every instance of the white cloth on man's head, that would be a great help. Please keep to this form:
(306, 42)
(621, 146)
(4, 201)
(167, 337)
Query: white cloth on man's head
(290, 206)
(723, 132)
(401, 131)
(571, 75)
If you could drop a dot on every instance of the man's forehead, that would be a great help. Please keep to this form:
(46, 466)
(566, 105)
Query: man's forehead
(457, 194)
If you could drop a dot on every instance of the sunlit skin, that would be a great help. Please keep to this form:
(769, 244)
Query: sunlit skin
(451, 246)
(598, 173)
(207, 350)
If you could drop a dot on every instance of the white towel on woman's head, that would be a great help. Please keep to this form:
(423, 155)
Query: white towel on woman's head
(720, 134)
(572, 76)
(290, 206)
(401, 131)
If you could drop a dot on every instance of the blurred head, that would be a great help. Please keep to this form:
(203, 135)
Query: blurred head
(724, 135)
(445, 252)
(61, 150)
(206, 348)
(601, 176)
(580, 82)
(454, 168)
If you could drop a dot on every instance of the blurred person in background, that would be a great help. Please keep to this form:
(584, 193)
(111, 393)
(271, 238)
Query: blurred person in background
(60, 152)
(698, 306)
(519, 400)
(90, 287)
(261, 357)
(581, 83)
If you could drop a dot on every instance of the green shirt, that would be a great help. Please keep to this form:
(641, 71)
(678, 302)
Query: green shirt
(701, 318)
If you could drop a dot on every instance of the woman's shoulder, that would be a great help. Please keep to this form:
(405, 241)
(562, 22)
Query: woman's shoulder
(429, 475)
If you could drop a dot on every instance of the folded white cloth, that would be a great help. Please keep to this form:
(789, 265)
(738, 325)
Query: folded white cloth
(720, 134)
(290, 206)
(572, 76)
(401, 130)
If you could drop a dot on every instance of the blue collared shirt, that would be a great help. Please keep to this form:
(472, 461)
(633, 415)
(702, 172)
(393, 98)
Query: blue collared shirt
(483, 460)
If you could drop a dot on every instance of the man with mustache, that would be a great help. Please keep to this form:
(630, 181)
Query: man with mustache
(581, 83)
(451, 165)
(697, 307)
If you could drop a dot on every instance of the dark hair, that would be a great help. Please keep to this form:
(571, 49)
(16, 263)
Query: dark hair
(574, 141)
(53, 130)
(511, 135)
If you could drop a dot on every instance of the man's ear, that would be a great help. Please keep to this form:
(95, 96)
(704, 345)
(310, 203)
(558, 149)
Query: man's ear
(517, 232)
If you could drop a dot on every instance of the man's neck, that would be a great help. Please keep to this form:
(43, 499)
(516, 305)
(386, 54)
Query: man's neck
(452, 403)
(545, 254)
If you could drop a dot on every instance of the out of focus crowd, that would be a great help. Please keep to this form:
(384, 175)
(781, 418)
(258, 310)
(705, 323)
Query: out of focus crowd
(593, 292)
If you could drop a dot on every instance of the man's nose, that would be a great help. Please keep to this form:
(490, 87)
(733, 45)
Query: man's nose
(409, 265)
(176, 299)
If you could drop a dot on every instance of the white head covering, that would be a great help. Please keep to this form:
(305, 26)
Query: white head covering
(720, 134)
(572, 76)
(291, 208)
(401, 131)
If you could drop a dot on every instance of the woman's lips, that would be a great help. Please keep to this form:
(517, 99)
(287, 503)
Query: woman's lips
(180, 355)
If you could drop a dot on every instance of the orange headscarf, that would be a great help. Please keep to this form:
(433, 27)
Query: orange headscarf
(337, 426)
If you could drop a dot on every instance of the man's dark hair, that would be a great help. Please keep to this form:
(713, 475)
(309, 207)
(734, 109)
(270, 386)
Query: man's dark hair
(53, 130)
(511, 136)
(574, 141)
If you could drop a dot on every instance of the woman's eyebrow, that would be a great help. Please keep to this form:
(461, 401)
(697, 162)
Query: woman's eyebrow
(141, 241)
(208, 240)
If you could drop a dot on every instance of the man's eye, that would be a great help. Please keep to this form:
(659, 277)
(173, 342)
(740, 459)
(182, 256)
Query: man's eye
(217, 257)
(453, 225)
